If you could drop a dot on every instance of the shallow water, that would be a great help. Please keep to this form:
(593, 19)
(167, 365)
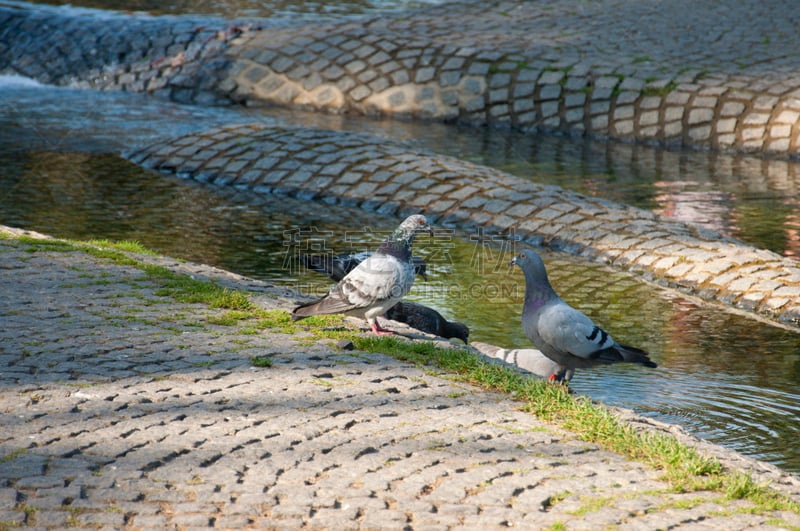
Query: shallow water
(753, 199)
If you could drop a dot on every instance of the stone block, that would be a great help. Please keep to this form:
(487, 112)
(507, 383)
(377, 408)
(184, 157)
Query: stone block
(756, 118)
(624, 112)
(673, 113)
(450, 78)
(500, 80)
(788, 117)
(700, 133)
(551, 77)
(624, 127)
(752, 133)
(600, 123)
(550, 92)
(699, 116)
(648, 118)
(549, 108)
(606, 82)
(726, 126)
(650, 102)
(676, 97)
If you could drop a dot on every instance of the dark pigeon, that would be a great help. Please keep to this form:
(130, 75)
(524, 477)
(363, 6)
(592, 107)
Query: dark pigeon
(562, 333)
(427, 320)
(377, 283)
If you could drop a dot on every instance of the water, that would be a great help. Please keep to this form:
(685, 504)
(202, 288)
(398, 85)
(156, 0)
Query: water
(725, 377)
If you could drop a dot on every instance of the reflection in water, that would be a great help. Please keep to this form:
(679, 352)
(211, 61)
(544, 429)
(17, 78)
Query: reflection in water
(725, 377)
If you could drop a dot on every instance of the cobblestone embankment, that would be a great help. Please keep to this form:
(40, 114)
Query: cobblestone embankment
(708, 74)
(123, 408)
(359, 170)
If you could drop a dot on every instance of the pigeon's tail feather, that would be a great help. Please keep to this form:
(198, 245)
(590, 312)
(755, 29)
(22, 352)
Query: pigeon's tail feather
(635, 355)
(303, 311)
(324, 306)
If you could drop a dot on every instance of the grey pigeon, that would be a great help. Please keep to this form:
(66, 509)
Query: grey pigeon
(561, 332)
(427, 320)
(527, 359)
(337, 267)
(377, 283)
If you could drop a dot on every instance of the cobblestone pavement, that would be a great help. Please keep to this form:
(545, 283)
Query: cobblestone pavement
(360, 170)
(121, 407)
(708, 73)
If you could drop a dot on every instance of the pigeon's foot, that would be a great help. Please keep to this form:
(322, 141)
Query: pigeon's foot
(379, 330)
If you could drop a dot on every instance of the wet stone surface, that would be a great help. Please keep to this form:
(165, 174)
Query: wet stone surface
(704, 74)
(121, 407)
(360, 170)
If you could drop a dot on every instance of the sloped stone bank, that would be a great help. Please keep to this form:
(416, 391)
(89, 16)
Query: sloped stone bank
(704, 74)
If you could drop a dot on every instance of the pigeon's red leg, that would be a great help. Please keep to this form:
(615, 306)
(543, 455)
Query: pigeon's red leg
(379, 330)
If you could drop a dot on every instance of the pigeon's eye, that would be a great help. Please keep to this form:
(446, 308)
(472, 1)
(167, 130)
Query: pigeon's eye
(522, 255)
(421, 222)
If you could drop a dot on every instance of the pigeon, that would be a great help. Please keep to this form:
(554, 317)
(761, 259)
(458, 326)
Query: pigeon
(562, 333)
(527, 359)
(337, 267)
(377, 283)
(427, 320)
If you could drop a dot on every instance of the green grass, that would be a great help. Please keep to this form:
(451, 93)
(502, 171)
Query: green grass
(660, 91)
(12, 455)
(261, 361)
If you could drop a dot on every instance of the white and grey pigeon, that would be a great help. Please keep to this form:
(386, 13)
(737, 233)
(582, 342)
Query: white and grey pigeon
(377, 283)
(337, 267)
(562, 333)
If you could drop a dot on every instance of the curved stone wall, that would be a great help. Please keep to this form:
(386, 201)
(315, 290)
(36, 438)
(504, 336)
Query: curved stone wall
(359, 170)
(176, 57)
(703, 74)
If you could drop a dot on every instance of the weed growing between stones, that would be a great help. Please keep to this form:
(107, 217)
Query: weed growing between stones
(261, 361)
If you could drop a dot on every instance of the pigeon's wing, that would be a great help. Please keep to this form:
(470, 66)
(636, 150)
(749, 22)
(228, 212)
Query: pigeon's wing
(570, 331)
(420, 267)
(346, 263)
(374, 280)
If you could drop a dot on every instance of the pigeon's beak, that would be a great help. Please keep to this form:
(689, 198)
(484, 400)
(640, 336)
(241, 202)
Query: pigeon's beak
(513, 262)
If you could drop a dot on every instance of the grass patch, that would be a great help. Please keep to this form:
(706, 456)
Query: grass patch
(261, 361)
(660, 91)
(182, 288)
(12, 455)
(591, 505)
(229, 318)
(189, 290)
(128, 246)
